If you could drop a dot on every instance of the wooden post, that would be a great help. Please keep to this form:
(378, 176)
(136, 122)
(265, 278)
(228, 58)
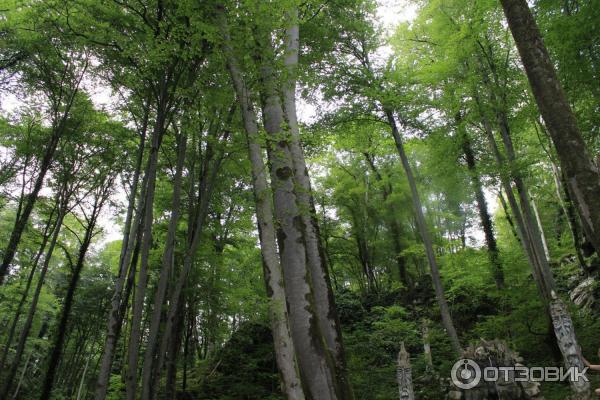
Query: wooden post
(426, 344)
(565, 335)
(404, 375)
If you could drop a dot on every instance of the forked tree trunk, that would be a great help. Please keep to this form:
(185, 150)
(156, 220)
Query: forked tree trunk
(426, 237)
(272, 270)
(583, 177)
(319, 273)
(285, 348)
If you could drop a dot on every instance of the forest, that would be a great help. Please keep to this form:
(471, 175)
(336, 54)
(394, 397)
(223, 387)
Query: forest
(302, 200)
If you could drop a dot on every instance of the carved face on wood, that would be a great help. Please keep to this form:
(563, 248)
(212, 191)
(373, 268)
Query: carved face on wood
(404, 394)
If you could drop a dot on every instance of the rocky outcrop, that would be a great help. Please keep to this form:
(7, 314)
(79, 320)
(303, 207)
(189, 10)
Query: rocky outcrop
(496, 353)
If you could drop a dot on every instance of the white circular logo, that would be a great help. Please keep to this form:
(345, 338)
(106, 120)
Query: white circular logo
(466, 374)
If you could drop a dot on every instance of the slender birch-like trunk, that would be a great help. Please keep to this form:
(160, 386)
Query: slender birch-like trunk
(426, 237)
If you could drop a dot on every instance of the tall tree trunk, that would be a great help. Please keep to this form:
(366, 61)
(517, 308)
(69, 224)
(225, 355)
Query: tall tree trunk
(426, 237)
(115, 318)
(22, 376)
(173, 352)
(318, 374)
(583, 177)
(484, 215)
(82, 381)
(531, 227)
(61, 330)
(317, 263)
(142, 280)
(284, 346)
(538, 220)
(530, 238)
(207, 185)
(165, 273)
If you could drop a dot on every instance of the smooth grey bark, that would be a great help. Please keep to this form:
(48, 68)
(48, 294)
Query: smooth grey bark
(273, 273)
(583, 177)
(316, 372)
(319, 273)
(166, 271)
(538, 220)
(317, 369)
(115, 318)
(426, 237)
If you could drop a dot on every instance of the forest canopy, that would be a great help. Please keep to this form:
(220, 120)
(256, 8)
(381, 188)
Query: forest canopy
(303, 200)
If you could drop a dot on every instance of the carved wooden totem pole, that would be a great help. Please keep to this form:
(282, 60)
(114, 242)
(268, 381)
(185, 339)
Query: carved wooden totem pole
(404, 375)
(565, 336)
